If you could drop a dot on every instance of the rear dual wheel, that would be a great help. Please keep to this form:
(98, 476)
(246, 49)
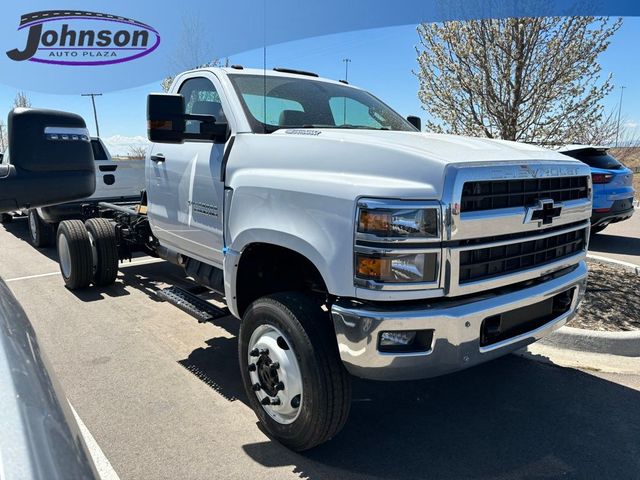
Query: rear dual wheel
(88, 253)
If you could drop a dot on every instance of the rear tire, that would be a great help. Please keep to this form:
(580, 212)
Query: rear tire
(41, 233)
(74, 253)
(297, 334)
(102, 236)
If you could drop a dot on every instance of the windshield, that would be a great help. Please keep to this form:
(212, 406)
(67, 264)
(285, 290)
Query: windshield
(304, 103)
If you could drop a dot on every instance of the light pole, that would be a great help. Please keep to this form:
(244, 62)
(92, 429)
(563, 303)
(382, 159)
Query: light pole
(346, 61)
(95, 114)
(619, 111)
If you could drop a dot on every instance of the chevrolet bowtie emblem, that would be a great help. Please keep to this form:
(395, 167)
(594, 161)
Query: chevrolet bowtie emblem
(545, 211)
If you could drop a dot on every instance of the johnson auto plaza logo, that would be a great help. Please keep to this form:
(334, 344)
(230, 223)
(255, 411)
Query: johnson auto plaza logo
(69, 37)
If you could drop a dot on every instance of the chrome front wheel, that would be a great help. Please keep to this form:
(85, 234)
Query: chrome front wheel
(275, 374)
(291, 369)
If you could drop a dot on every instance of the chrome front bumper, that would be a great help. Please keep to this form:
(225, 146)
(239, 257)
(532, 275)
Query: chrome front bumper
(456, 326)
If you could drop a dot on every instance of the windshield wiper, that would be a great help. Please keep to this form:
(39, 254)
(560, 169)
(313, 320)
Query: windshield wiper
(344, 126)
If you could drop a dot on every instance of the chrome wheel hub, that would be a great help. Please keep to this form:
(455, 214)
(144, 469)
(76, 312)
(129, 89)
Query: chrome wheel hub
(65, 256)
(275, 374)
(94, 252)
(32, 225)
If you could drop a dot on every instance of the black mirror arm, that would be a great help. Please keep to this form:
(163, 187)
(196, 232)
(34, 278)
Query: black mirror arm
(199, 118)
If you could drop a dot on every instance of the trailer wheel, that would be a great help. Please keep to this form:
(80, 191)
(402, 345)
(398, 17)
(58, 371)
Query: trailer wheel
(291, 370)
(41, 233)
(104, 248)
(74, 252)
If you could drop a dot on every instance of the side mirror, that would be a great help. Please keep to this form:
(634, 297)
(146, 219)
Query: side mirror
(165, 118)
(49, 160)
(167, 121)
(415, 121)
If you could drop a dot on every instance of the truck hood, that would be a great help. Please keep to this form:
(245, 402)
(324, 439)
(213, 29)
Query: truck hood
(437, 148)
(354, 163)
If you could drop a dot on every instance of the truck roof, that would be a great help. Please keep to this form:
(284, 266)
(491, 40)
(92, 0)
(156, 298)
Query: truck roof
(268, 72)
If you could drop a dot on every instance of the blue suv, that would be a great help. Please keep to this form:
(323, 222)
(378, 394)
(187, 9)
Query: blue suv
(612, 185)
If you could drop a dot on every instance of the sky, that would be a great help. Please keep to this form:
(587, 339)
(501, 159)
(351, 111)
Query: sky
(382, 61)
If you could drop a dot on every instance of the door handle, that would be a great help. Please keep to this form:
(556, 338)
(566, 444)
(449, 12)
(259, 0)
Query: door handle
(159, 158)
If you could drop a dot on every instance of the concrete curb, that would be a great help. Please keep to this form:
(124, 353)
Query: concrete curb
(628, 266)
(626, 344)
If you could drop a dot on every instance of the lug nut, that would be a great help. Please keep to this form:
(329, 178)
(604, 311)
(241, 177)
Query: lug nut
(279, 386)
(255, 352)
(274, 366)
(256, 387)
(252, 367)
(275, 401)
(264, 351)
(266, 401)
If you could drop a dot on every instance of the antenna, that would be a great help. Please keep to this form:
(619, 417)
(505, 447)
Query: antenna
(93, 102)
(346, 61)
(264, 65)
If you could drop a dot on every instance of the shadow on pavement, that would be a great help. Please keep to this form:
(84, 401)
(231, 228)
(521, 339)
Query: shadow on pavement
(510, 418)
(20, 229)
(146, 277)
(614, 244)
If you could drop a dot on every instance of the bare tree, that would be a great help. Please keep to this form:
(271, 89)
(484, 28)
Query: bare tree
(137, 152)
(21, 100)
(526, 79)
(193, 51)
(3, 136)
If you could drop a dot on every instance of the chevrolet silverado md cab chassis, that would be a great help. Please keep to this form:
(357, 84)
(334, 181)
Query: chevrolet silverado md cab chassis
(348, 242)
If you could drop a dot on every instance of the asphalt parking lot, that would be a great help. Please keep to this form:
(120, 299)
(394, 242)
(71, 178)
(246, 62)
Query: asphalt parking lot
(620, 241)
(161, 395)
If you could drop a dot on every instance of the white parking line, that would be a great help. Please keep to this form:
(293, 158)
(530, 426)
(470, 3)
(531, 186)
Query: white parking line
(123, 265)
(32, 276)
(102, 463)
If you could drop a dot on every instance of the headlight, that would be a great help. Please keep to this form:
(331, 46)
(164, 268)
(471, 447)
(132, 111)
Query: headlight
(397, 267)
(401, 222)
(397, 245)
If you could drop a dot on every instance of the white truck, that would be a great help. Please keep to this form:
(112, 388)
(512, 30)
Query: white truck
(346, 241)
(116, 181)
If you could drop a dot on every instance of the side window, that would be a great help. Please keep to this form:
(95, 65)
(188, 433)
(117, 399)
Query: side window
(201, 98)
(98, 151)
(347, 111)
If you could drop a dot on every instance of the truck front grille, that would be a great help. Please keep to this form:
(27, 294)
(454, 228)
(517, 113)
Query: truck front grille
(489, 262)
(494, 194)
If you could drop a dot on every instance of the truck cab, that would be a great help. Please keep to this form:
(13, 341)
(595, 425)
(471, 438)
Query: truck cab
(350, 243)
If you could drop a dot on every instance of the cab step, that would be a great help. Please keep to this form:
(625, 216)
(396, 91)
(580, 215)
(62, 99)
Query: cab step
(195, 306)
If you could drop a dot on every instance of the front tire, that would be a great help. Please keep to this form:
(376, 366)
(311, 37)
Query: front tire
(74, 253)
(305, 399)
(41, 233)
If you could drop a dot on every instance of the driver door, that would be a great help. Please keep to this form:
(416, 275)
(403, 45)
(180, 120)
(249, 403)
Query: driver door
(186, 193)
